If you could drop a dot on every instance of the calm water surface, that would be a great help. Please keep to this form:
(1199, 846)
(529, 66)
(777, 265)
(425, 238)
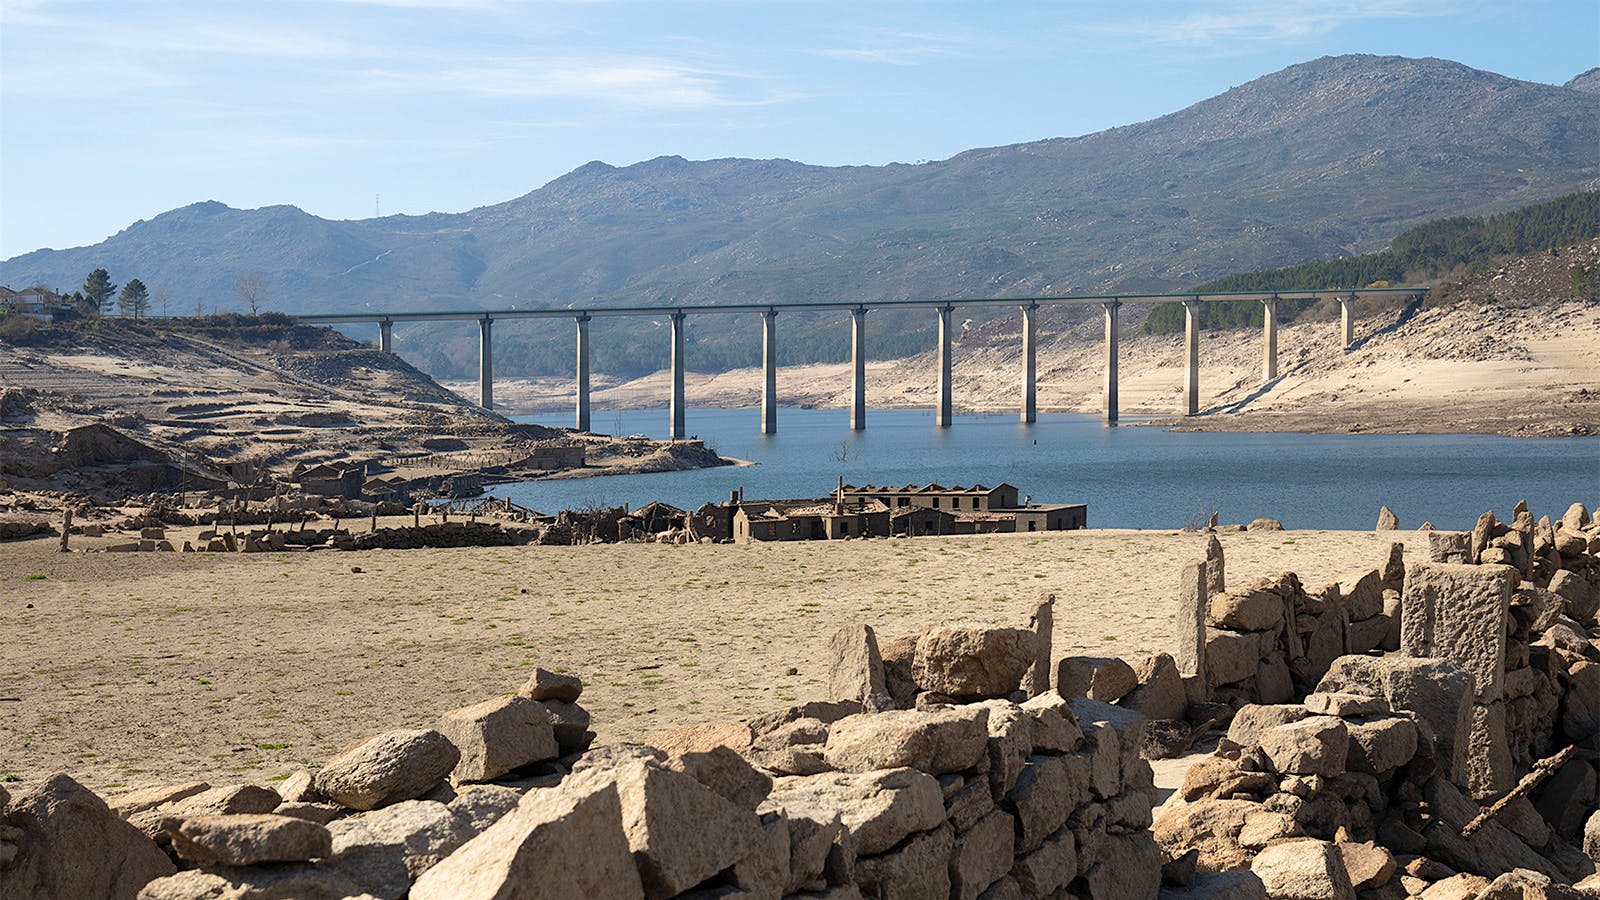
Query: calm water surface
(1131, 477)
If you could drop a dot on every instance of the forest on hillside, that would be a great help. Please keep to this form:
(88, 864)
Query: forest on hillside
(1423, 253)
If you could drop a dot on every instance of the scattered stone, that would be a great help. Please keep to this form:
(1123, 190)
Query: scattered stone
(1160, 693)
(1344, 705)
(725, 772)
(479, 806)
(546, 685)
(680, 831)
(496, 736)
(384, 850)
(75, 846)
(243, 840)
(1367, 865)
(933, 741)
(1387, 520)
(856, 672)
(1103, 678)
(1436, 690)
(1313, 746)
(973, 662)
(391, 767)
(1254, 718)
(561, 842)
(878, 809)
(1264, 525)
(1303, 870)
(1381, 744)
(1211, 827)
(134, 802)
(1252, 610)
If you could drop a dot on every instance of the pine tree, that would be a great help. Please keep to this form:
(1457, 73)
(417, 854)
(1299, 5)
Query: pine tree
(98, 290)
(135, 298)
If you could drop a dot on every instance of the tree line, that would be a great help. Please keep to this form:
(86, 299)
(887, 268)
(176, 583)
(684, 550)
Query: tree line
(1427, 251)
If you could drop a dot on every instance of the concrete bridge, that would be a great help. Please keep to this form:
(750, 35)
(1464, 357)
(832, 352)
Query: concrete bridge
(1029, 307)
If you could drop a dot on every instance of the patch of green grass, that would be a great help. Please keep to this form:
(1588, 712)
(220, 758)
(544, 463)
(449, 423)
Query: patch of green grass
(35, 577)
(272, 746)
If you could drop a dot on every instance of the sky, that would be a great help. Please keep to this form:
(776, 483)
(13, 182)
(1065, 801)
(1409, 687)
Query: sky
(111, 112)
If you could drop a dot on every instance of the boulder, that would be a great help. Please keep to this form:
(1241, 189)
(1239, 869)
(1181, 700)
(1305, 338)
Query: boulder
(1436, 690)
(855, 670)
(1250, 610)
(391, 767)
(1054, 728)
(384, 850)
(564, 842)
(1010, 730)
(1264, 525)
(1210, 826)
(1216, 567)
(1043, 872)
(546, 685)
(1591, 837)
(1049, 789)
(1037, 680)
(878, 809)
(1366, 864)
(1362, 593)
(1459, 613)
(1232, 656)
(496, 736)
(298, 881)
(480, 805)
(1160, 693)
(1303, 870)
(134, 802)
(1103, 678)
(765, 870)
(70, 844)
(243, 840)
(917, 869)
(1313, 746)
(982, 855)
(1393, 571)
(1578, 599)
(973, 662)
(935, 741)
(224, 799)
(1254, 718)
(725, 772)
(1381, 744)
(1450, 547)
(1387, 520)
(1344, 705)
(570, 722)
(680, 831)
(1195, 582)
(1575, 518)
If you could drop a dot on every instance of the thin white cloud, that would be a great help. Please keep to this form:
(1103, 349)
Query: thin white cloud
(896, 48)
(636, 81)
(1257, 21)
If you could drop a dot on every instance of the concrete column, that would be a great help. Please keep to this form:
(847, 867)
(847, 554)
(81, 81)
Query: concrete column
(1347, 321)
(1030, 372)
(386, 336)
(1109, 403)
(942, 416)
(769, 371)
(1269, 339)
(486, 362)
(858, 363)
(678, 431)
(583, 373)
(1191, 354)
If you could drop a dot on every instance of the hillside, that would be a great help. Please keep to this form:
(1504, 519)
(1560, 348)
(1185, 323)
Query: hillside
(1325, 158)
(116, 407)
(1509, 351)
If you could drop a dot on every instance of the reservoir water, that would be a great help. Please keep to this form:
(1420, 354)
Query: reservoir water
(1130, 476)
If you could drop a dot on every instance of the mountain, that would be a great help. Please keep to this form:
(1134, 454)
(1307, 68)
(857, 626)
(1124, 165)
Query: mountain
(1329, 157)
(1588, 82)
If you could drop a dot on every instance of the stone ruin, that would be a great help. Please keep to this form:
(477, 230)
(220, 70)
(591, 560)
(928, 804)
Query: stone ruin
(965, 762)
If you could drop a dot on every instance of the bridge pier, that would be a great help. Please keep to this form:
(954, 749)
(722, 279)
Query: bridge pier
(1109, 399)
(1347, 321)
(486, 362)
(1191, 354)
(1269, 339)
(583, 372)
(677, 431)
(769, 371)
(1030, 369)
(386, 336)
(858, 365)
(942, 416)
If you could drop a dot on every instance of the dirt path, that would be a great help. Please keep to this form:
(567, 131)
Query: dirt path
(127, 669)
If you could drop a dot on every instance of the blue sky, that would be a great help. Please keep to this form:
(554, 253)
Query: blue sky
(116, 111)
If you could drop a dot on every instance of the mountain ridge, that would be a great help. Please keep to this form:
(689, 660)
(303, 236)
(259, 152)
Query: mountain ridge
(1323, 158)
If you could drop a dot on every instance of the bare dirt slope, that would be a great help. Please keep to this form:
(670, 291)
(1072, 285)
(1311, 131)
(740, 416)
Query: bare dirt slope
(127, 669)
(1508, 352)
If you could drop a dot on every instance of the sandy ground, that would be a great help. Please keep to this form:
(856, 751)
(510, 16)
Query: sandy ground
(132, 669)
(1450, 369)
